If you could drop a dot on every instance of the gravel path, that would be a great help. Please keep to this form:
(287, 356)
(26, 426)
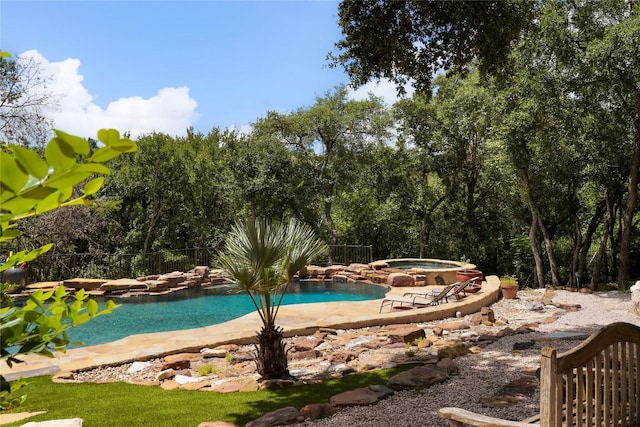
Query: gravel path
(482, 374)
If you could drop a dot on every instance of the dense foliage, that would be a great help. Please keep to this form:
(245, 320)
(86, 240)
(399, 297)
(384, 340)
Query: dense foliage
(31, 186)
(533, 173)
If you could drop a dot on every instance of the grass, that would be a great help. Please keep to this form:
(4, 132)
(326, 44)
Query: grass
(122, 404)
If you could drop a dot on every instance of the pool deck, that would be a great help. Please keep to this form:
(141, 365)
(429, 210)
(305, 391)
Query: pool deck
(302, 319)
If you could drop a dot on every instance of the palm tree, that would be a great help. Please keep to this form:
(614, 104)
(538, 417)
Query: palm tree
(263, 257)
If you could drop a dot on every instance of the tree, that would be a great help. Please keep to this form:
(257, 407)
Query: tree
(403, 40)
(31, 186)
(263, 256)
(326, 135)
(572, 110)
(24, 96)
(269, 179)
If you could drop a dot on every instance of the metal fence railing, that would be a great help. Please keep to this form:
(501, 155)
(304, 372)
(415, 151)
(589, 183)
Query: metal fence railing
(115, 266)
(55, 267)
(350, 254)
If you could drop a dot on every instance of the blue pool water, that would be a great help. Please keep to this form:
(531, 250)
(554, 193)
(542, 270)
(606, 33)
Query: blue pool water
(200, 307)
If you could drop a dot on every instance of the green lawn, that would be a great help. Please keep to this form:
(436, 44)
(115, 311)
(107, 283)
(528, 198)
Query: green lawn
(121, 404)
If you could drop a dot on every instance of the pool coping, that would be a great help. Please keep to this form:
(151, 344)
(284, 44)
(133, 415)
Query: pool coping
(300, 319)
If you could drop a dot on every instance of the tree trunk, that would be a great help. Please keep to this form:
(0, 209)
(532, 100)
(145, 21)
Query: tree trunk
(152, 226)
(624, 267)
(598, 260)
(553, 264)
(271, 354)
(581, 271)
(330, 223)
(535, 250)
(575, 278)
(536, 222)
(424, 234)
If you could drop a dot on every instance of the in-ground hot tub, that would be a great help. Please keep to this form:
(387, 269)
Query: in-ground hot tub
(430, 268)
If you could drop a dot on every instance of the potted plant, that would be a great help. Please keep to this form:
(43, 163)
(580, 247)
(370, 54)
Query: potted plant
(509, 287)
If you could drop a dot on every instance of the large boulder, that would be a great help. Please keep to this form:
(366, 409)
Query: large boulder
(400, 280)
(123, 284)
(279, 417)
(361, 396)
(422, 376)
(86, 284)
(404, 333)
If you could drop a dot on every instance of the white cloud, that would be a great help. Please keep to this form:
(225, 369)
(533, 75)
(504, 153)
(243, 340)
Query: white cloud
(170, 111)
(384, 89)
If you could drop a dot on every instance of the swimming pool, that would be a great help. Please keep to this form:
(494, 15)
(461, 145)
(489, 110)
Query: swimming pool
(203, 307)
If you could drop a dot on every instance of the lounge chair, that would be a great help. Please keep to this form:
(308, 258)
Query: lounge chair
(460, 289)
(400, 301)
(435, 295)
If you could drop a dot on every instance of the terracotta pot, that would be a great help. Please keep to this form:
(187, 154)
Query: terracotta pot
(464, 275)
(509, 292)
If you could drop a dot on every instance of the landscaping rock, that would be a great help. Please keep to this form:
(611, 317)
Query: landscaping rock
(341, 357)
(227, 387)
(405, 333)
(419, 377)
(452, 350)
(177, 365)
(70, 422)
(122, 284)
(165, 374)
(400, 280)
(182, 356)
(139, 366)
(279, 417)
(183, 379)
(217, 424)
(86, 284)
(307, 354)
(306, 343)
(275, 384)
(209, 353)
(169, 385)
(361, 396)
(316, 411)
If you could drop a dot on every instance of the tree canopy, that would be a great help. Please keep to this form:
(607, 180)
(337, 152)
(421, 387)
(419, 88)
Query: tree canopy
(403, 40)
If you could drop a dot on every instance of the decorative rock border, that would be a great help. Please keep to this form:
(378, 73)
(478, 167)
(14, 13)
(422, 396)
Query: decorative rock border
(203, 276)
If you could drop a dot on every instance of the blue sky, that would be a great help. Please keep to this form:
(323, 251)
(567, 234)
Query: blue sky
(166, 65)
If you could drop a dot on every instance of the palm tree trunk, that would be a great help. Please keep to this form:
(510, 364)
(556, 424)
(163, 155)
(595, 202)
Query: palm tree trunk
(271, 354)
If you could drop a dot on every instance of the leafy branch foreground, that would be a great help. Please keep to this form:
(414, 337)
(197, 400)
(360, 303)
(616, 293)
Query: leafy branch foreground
(31, 185)
(121, 404)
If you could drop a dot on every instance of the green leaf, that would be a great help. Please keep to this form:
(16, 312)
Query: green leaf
(60, 155)
(123, 146)
(17, 206)
(9, 234)
(12, 176)
(108, 136)
(68, 179)
(31, 316)
(31, 255)
(31, 161)
(93, 186)
(49, 203)
(92, 307)
(93, 168)
(104, 154)
(79, 145)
